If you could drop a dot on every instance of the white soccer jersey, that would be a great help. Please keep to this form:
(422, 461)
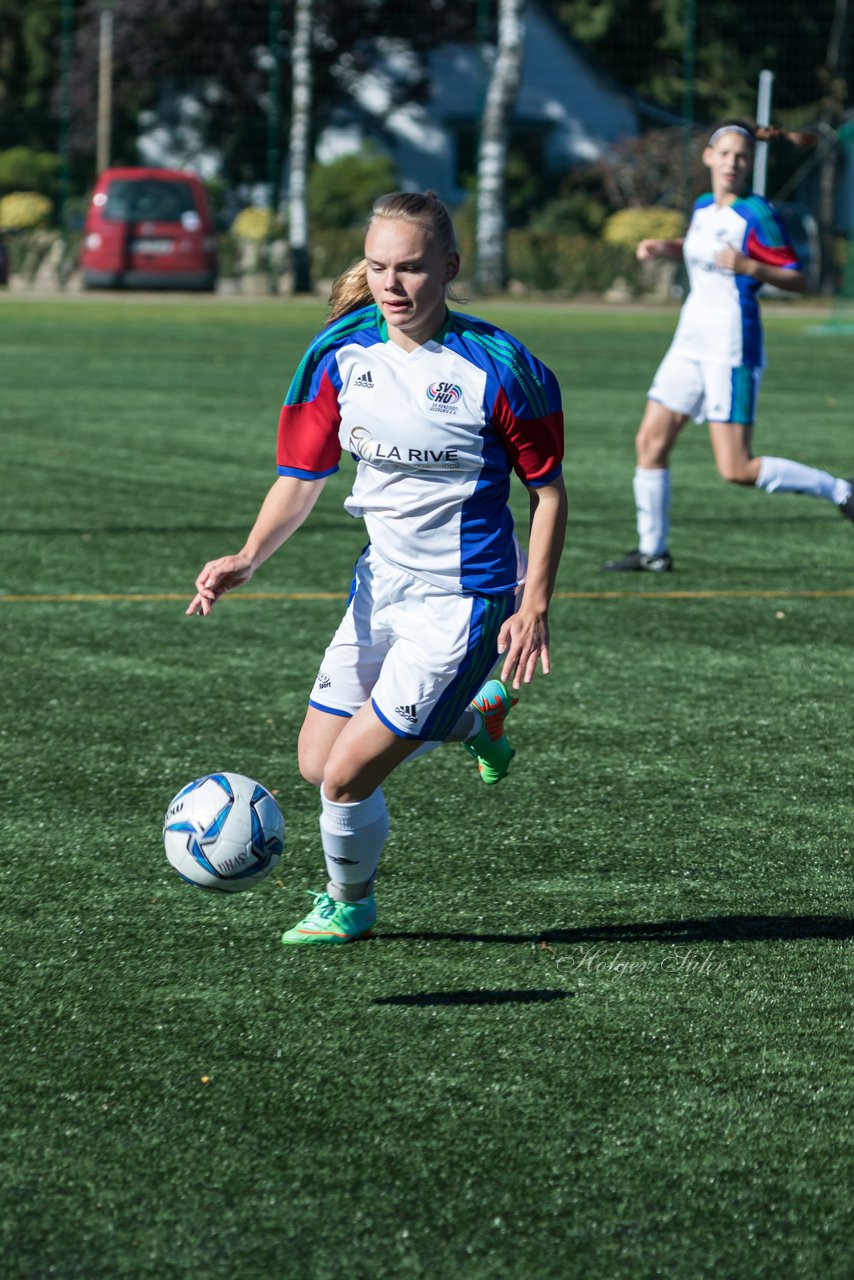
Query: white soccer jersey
(720, 322)
(434, 432)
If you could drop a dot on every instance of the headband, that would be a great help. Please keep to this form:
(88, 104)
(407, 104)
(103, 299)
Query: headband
(729, 128)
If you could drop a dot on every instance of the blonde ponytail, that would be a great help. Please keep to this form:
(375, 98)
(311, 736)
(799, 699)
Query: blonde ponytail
(350, 291)
(772, 133)
(762, 133)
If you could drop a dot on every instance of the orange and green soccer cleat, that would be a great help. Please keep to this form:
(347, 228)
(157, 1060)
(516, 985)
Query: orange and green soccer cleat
(331, 922)
(490, 746)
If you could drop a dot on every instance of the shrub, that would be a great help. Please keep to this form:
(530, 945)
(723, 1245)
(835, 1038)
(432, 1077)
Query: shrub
(334, 251)
(256, 225)
(228, 254)
(576, 213)
(549, 262)
(54, 254)
(24, 210)
(539, 261)
(629, 226)
(544, 262)
(22, 169)
(340, 194)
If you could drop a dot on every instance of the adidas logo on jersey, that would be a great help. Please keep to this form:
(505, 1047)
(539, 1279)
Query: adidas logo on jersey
(408, 713)
(365, 380)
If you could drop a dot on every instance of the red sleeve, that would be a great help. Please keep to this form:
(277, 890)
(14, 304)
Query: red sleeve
(534, 445)
(782, 255)
(308, 443)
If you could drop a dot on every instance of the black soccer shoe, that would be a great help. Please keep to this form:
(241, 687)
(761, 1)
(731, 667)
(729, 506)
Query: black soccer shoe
(846, 508)
(637, 562)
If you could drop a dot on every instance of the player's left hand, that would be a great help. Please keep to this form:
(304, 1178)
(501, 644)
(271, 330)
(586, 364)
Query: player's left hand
(732, 260)
(524, 641)
(217, 577)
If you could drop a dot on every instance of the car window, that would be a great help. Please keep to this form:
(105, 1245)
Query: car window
(158, 199)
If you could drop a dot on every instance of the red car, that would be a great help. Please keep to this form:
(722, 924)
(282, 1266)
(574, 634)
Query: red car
(149, 229)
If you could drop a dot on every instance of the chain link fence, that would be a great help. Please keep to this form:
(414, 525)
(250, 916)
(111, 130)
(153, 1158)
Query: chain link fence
(615, 100)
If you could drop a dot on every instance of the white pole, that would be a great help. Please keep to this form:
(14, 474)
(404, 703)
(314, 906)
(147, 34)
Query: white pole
(105, 89)
(763, 116)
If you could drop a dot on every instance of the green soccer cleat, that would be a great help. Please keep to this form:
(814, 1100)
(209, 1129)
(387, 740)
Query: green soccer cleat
(490, 746)
(330, 922)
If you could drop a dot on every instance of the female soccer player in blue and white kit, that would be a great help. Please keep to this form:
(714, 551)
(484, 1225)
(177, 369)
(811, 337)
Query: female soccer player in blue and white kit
(735, 243)
(437, 409)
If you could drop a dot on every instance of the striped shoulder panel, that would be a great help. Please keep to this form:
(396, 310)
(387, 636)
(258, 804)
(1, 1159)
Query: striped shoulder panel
(504, 351)
(328, 340)
(760, 213)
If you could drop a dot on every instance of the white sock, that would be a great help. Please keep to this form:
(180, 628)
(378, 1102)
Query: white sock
(352, 836)
(781, 475)
(652, 500)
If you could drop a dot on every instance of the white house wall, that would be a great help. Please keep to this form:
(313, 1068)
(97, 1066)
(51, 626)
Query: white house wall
(580, 111)
(558, 87)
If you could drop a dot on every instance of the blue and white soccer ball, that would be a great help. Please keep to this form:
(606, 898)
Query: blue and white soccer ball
(224, 831)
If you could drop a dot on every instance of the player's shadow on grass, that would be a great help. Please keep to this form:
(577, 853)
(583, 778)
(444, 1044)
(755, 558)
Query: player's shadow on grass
(727, 519)
(714, 929)
(475, 997)
(110, 530)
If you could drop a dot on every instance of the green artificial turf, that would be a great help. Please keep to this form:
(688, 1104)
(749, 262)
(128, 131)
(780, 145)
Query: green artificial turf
(603, 1029)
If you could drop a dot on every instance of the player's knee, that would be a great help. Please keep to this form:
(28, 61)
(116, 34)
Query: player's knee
(310, 769)
(736, 473)
(339, 774)
(311, 760)
(651, 450)
(649, 456)
(345, 782)
(340, 783)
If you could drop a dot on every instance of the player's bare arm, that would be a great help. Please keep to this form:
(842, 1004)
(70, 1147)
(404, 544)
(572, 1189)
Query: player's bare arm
(742, 265)
(287, 505)
(649, 249)
(524, 638)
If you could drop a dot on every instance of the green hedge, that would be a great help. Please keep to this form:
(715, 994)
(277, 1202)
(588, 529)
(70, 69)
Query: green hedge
(553, 262)
(333, 251)
(542, 261)
(539, 261)
(28, 250)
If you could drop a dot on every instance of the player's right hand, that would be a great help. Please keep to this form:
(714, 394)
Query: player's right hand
(217, 577)
(647, 250)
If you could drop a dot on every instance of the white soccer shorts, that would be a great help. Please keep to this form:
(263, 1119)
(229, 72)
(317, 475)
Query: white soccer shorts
(418, 652)
(707, 392)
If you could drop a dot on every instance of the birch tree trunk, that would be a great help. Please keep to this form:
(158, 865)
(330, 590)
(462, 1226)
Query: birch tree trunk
(300, 138)
(491, 272)
(837, 66)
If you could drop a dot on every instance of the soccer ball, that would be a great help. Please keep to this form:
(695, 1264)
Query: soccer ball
(224, 831)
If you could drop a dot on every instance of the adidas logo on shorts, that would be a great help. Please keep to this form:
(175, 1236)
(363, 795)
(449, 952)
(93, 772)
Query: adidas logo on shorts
(408, 712)
(365, 380)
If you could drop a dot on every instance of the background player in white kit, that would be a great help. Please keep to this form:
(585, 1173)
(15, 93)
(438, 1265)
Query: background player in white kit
(734, 244)
(436, 409)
